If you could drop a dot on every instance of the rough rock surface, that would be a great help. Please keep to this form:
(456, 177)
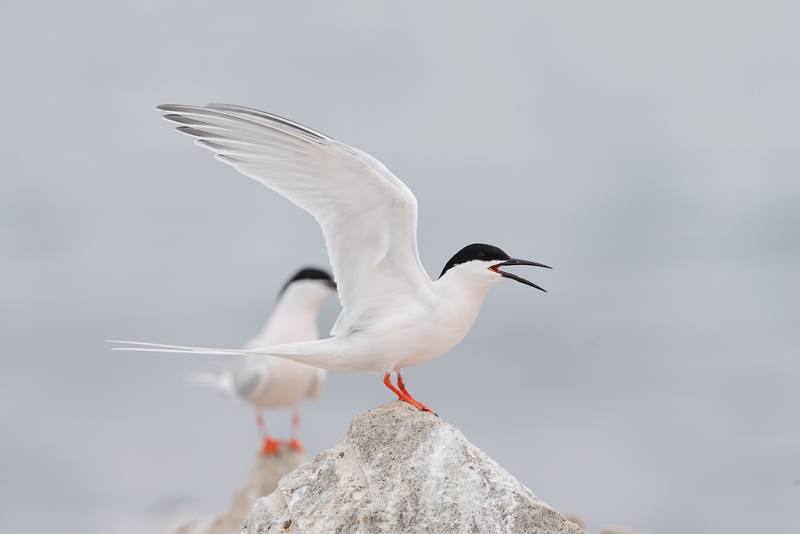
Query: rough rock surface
(262, 480)
(401, 470)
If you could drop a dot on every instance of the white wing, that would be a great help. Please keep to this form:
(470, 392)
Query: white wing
(368, 216)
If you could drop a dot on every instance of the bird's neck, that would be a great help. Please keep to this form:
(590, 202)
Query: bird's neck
(461, 299)
(463, 285)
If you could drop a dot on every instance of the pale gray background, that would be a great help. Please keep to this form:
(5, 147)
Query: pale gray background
(648, 151)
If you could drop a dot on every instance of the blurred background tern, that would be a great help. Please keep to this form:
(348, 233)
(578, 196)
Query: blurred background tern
(268, 382)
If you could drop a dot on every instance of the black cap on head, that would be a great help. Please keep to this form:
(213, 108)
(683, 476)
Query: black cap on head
(310, 273)
(476, 251)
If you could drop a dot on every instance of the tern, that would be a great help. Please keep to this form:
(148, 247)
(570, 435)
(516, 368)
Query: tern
(267, 381)
(393, 314)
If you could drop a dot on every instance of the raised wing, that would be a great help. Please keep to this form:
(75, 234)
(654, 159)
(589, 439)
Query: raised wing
(368, 216)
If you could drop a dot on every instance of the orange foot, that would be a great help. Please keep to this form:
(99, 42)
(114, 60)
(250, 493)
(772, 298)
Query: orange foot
(418, 405)
(270, 447)
(404, 395)
(295, 445)
(421, 407)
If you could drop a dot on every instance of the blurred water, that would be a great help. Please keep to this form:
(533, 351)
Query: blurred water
(648, 152)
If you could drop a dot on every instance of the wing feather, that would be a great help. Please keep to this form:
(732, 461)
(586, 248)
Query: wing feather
(367, 215)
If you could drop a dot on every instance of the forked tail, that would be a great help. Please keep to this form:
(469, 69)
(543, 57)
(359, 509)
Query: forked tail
(315, 353)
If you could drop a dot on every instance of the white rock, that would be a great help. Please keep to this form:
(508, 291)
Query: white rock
(401, 470)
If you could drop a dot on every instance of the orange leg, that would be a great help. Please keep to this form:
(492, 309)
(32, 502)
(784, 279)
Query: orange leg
(270, 445)
(261, 426)
(294, 443)
(403, 393)
(401, 384)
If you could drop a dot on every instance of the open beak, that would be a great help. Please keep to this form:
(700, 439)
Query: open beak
(512, 261)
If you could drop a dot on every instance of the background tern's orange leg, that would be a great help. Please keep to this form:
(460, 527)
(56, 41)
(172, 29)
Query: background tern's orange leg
(294, 443)
(261, 426)
(270, 445)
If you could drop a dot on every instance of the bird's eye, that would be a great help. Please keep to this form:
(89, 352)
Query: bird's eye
(481, 256)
